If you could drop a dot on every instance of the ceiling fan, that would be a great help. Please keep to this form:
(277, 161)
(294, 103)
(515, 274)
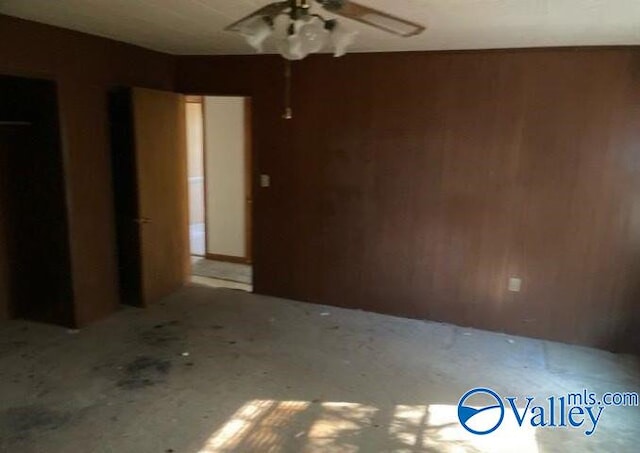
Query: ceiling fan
(305, 32)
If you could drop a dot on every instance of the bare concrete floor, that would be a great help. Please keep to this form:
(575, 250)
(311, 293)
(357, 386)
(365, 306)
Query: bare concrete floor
(215, 370)
(221, 270)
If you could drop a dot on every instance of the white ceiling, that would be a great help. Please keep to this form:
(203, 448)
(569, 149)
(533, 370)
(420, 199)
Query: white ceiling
(196, 26)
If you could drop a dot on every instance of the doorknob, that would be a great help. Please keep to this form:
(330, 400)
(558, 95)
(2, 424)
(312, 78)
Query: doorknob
(142, 220)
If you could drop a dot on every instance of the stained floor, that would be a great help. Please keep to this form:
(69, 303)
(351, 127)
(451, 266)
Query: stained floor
(217, 370)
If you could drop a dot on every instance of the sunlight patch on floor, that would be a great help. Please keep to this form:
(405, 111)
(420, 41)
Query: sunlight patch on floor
(269, 425)
(339, 424)
(444, 433)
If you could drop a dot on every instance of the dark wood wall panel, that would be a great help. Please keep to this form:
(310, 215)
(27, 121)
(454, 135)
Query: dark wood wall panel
(413, 183)
(84, 68)
(417, 183)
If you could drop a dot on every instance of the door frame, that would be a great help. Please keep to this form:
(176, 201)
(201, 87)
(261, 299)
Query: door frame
(248, 172)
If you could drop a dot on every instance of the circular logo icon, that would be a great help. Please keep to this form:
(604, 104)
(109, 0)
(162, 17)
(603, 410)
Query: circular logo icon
(481, 418)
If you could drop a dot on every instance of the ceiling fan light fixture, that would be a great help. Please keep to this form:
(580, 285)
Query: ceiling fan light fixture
(292, 46)
(256, 32)
(307, 32)
(314, 35)
(299, 31)
(342, 38)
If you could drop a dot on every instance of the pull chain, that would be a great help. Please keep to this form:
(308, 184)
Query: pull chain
(288, 111)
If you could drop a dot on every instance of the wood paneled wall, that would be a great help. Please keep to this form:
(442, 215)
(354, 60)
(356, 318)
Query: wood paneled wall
(84, 68)
(417, 184)
(412, 183)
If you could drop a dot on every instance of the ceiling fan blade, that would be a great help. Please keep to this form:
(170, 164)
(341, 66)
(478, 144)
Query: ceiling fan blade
(271, 10)
(375, 18)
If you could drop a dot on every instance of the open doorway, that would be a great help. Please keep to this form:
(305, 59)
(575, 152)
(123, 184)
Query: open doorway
(219, 175)
(195, 169)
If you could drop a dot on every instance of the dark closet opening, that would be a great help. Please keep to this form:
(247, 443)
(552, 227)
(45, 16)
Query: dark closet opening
(35, 268)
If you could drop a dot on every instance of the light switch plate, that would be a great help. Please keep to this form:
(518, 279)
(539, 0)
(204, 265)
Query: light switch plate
(515, 284)
(265, 181)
